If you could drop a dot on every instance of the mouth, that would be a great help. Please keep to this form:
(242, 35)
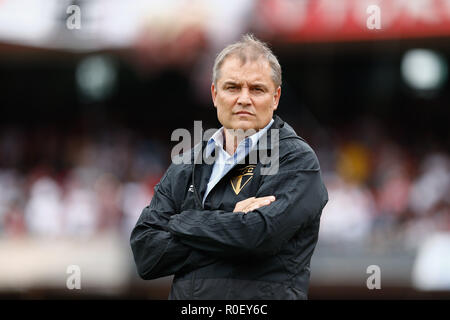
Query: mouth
(244, 113)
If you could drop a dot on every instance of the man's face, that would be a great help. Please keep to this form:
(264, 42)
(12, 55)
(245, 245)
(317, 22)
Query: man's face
(245, 95)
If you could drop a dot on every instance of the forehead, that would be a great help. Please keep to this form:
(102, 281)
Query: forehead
(233, 68)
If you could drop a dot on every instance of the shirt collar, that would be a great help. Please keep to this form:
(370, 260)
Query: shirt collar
(217, 139)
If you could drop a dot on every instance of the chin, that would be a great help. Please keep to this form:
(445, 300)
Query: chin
(245, 125)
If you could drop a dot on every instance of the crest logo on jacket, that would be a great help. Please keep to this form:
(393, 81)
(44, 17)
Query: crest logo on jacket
(245, 174)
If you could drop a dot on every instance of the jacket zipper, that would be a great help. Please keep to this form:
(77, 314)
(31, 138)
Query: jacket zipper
(196, 195)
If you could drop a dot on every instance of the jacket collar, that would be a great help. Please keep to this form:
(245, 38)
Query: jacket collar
(200, 177)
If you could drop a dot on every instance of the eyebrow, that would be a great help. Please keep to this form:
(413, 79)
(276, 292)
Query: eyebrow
(236, 83)
(230, 82)
(258, 84)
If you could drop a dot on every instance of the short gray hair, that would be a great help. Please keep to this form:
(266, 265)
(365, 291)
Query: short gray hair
(251, 48)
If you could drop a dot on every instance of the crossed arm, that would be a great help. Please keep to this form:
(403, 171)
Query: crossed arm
(156, 251)
(165, 242)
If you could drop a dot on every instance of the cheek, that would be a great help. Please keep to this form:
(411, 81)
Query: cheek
(222, 114)
(220, 99)
(264, 105)
(225, 103)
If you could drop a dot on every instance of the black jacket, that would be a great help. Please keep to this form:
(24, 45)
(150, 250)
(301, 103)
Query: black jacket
(216, 253)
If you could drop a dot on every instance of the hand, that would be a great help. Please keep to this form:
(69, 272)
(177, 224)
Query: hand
(253, 203)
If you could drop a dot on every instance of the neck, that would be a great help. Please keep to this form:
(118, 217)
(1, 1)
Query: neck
(232, 138)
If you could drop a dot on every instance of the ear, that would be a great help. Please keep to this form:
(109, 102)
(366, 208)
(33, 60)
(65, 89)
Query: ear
(276, 98)
(213, 94)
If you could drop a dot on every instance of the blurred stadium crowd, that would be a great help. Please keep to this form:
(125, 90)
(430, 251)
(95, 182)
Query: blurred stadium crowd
(86, 118)
(384, 194)
(82, 187)
(77, 186)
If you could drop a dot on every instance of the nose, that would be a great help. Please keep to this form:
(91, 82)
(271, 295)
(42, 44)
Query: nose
(244, 98)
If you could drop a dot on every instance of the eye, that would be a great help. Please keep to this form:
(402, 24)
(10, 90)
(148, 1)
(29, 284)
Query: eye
(258, 89)
(231, 88)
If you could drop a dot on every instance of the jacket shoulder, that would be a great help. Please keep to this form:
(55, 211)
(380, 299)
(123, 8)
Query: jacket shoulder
(174, 175)
(297, 149)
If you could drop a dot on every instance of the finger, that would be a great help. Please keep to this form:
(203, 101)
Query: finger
(263, 200)
(247, 201)
(252, 208)
(241, 205)
(251, 200)
(271, 198)
(258, 204)
(253, 203)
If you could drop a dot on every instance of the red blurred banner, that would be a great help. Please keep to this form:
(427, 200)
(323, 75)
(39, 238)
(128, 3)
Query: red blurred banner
(342, 20)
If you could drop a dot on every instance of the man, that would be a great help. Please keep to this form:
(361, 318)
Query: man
(223, 228)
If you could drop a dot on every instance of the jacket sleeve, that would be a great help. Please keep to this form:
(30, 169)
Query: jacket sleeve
(300, 197)
(156, 251)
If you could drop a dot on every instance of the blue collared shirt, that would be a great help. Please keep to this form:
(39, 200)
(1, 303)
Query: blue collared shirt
(224, 162)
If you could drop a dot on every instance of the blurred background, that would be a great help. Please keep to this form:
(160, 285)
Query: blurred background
(91, 91)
